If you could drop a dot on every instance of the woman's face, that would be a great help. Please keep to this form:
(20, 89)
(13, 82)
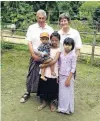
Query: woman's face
(64, 23)
(54, 41)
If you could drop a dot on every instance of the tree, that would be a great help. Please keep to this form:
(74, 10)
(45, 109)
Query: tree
(96, 18)
(19, 13)
(87, 9)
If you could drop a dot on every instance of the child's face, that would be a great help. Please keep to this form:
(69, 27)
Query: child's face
(44, 40)
(54, 41)
(67, 48)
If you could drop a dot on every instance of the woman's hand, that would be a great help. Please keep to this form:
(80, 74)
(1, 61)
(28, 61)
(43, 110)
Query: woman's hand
(67, 83)
(42, 65)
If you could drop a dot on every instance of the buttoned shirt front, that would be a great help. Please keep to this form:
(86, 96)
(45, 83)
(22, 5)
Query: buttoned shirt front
(33, 34)
(72, 33)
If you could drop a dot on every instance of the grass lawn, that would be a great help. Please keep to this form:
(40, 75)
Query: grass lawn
(14, 69)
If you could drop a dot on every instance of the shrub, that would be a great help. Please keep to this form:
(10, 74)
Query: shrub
(5, 45)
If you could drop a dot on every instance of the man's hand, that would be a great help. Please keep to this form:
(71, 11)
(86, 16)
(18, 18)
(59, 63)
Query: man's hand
(36, 58)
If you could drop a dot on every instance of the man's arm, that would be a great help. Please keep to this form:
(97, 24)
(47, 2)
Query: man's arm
(52, 62)
(77, 52)
(35, 57)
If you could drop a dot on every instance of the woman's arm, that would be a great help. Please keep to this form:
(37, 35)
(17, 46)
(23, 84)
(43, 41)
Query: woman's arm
(67, 82)
(77, 52)
(52, 62)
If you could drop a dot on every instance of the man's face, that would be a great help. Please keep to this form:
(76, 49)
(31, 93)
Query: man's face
(41, 20)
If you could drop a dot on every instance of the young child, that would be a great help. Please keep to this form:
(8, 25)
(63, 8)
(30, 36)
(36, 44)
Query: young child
(67, 66)
(44, 52)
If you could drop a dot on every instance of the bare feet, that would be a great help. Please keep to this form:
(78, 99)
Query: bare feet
(52, 107)
(53, 73)
(43, 105)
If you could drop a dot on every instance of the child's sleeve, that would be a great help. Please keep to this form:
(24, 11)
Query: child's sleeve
(73, 64)
(47, 49)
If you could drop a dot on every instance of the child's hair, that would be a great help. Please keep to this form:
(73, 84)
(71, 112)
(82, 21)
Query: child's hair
(69, 41)
(56, 34)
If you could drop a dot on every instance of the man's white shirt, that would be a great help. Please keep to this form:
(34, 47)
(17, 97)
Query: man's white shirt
(33, 34)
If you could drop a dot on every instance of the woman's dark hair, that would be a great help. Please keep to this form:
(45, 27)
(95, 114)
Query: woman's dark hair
(69, 41)
(56, 34)
(65, 15)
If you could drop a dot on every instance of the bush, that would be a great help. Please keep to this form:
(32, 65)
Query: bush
(8, 45)
(81, 26)
(5, 45)
(86, 59)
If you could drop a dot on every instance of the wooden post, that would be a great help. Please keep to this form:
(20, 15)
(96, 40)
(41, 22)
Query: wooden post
(1, 34)
(93, 47)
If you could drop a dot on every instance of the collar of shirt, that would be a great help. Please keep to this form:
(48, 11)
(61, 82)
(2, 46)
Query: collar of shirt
(70, 53)
(45, 27)
(67, 33)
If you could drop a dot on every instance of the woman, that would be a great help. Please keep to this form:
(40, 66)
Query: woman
(67, 31)
(48, 90)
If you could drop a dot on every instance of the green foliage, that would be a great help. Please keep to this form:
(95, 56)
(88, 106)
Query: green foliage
(96, 18)
(81, 26)
(87, 9)
(96, 15)
(17, 12)
(84, 27)
(98, 39)
(21, 12)
(7, 46)
(86, 59)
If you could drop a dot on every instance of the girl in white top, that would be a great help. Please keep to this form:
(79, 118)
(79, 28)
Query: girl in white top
(48, 90)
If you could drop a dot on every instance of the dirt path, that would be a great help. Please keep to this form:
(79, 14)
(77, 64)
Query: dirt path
(21, 40)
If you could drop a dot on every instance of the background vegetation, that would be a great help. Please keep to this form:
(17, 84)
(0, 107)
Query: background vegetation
(22, 13)
(15, 58)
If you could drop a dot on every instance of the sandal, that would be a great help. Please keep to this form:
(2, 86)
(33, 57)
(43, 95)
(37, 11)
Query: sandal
(41, 107)
(25, 97)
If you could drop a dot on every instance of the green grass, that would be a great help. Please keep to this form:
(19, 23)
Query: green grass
(14, 69)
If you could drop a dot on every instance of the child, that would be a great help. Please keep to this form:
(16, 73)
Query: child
(67, 66)
(44, 52)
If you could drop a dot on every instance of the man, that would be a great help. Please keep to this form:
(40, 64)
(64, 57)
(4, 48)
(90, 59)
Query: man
(33, 37)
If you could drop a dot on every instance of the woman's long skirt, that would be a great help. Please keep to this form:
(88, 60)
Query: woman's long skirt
(48, 90)
(33, 76)
(66, 96)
